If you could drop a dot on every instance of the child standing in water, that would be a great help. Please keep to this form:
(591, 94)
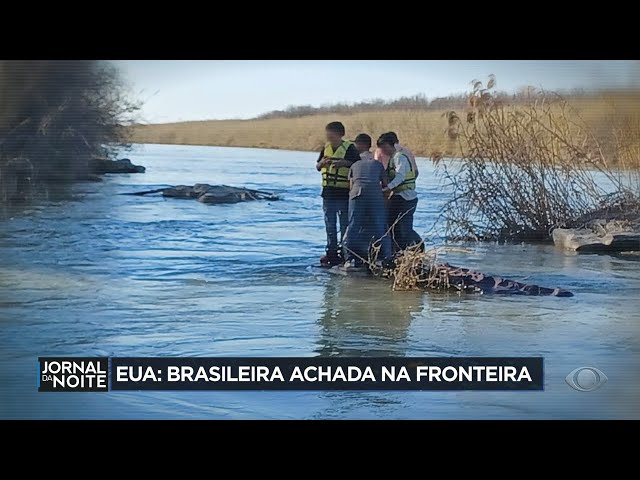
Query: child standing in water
(335, 159)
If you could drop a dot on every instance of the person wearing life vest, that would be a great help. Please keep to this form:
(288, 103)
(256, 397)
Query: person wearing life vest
(384, 159)
(401, 189)
(334, 162)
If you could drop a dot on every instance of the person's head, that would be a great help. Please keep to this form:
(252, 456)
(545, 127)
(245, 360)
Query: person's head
(387, 144)
(393, 136)
(334, 132)
(363, 142)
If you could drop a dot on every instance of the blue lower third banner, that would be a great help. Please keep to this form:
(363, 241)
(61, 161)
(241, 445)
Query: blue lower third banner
(288, 373)
(327, 373)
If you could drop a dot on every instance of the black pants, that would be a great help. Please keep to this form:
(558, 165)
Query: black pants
(401, 211)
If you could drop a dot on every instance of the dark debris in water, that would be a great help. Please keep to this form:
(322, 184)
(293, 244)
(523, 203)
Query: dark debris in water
(211, 194)
(415, 268)
(465, 279)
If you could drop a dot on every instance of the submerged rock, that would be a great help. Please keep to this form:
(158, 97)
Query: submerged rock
(100, 166)
(222, 194)
(179, 191)
(212, 194)
(467, 280)
(422, 273)
(201, 189)
(223, 197)
(599, 236)
(614, 227)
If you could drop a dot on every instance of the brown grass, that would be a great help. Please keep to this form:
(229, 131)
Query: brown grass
(425, 132)
(421, 130)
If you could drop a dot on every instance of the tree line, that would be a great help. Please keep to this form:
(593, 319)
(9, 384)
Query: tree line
(414, 102)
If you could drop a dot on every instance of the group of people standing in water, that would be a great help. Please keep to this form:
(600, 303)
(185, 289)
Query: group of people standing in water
(371, 196)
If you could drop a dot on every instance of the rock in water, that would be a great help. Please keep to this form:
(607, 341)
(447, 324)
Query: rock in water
(610, 237)
(211, 194)
(201, 189)
(467, 280)
(179, 191)
(615, 227)
(223, 194)
(222, 197)
(100, 166)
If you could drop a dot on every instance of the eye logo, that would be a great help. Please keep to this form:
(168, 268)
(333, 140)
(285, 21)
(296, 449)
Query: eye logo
(586, 379)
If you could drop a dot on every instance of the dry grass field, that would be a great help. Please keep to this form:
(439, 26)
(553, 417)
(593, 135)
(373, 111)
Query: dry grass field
(422, 130)
(425, 132)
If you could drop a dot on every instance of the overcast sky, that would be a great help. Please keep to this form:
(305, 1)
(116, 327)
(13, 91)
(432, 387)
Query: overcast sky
(175, 90)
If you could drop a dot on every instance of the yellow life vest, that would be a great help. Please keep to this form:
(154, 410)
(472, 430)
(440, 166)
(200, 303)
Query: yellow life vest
(409, 182)
(332, 176)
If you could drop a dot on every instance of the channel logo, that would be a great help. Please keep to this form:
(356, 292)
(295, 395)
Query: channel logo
(73, 374)
(586, 379)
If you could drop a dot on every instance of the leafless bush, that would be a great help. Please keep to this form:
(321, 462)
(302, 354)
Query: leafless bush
(528, 168)
(58, 114)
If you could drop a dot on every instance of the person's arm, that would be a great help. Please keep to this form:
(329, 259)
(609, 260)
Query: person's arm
(384, 178)
(350, 157)
(321, 161)
(350, 177)
(401, 172)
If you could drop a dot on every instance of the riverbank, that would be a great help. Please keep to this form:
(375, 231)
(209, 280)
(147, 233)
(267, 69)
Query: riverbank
(423, 131)
(17, 185)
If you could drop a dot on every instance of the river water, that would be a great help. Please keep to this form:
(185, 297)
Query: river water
(114, 275)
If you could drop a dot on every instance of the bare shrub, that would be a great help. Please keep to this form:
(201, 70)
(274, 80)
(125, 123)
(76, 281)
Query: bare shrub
(58, 114)
(529, 168)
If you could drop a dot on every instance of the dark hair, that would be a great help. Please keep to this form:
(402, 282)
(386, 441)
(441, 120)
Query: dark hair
(336, 127)
(394, 136)
(364, 138)
(386, 139)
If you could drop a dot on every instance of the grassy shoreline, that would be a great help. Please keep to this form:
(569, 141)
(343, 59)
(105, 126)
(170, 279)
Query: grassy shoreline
(424, 131)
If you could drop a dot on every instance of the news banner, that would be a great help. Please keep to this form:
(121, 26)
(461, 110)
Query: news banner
(102, 374)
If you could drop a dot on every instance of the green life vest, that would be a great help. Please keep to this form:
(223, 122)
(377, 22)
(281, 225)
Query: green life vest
(409, 182)
(332, 176)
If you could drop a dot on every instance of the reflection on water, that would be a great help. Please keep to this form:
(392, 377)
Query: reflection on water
(358, 318)
(107, 274)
